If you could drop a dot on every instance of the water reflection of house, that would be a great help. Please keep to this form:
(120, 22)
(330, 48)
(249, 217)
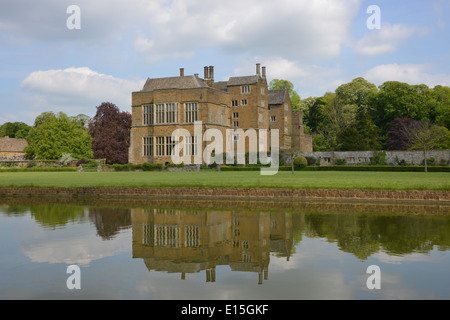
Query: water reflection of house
(180, 241)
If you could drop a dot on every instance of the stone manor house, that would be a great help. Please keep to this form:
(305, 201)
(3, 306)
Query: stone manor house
(167, 104)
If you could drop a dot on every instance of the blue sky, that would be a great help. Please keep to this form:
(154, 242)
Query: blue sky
(317, 45)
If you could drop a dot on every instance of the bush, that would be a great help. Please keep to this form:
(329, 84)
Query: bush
(430, 162)
(82, 161)
(311, 161)
(300, 161)
(341, 162)
(66, 159)
(378, 159)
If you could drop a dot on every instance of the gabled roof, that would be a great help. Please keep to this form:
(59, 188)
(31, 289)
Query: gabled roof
(239, 81)
(221, 85)
(8, 144)
(186, 82)
(277, 96)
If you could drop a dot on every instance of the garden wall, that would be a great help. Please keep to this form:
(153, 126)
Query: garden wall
(363, 157)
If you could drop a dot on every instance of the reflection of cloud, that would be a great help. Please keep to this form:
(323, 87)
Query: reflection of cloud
(74, 245)
(397, 259)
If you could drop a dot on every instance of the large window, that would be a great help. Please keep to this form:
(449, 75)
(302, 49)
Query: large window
(171, 113)
(160, 147)
(148, 115)
(148, 146)
(191, 145)
(161, 113)
(191, 112)
(170, 145)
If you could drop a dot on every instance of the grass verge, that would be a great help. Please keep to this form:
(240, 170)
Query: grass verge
(245, 179)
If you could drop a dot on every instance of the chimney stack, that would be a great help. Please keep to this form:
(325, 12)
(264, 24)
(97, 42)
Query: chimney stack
(211, 73)
(181, 72)
(209, 76)
(264, 72)
(258, 66)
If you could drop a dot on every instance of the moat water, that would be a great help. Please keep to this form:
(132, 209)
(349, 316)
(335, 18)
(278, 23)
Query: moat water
(220, 250)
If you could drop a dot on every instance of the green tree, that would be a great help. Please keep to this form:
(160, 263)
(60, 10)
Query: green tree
(400, 100)
(442, 97)
(277, 84)
(358, 132)
(426, 136)
(17, 130)
(52, 135)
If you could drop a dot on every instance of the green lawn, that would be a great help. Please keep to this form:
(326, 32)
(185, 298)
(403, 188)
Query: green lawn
(246, 179)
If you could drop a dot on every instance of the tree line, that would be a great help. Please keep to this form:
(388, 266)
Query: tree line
(360, 116)
(105, 136)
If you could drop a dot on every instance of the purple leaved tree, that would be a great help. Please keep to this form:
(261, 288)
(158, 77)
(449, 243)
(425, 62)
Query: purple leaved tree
(110, 131)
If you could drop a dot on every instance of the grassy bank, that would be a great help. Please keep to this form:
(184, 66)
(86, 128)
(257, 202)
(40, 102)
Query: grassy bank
(246, 179)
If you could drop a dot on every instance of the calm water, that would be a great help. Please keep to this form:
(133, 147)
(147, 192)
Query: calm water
(209, 250)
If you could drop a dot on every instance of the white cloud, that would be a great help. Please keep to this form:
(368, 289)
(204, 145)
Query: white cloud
(102, 21)
(385, 40)
(77, 90)
(409, 73)
(308, 79)
(302, 29)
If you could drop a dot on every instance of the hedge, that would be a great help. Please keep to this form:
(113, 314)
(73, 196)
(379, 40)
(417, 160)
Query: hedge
(346, 168)
(34, 169)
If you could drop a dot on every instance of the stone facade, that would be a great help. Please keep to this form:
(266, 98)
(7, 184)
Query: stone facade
(167, 104)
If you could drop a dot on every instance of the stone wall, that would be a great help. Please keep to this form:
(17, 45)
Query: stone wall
(363, 157)
(231, 193)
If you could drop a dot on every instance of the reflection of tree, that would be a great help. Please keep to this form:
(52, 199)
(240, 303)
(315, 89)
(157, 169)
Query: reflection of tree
(14, 209)
(109, 221)
(365, 234)
(55, 215)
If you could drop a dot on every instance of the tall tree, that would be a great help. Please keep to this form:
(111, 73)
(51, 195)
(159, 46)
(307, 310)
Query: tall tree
(425, 136)
(110, 130)
(52, 135)
(442, 97)
(400, 100)
(17, 130)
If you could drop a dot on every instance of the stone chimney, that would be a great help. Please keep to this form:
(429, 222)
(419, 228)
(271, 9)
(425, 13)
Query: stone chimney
(264, 72)
(209, 76)
(181, 72)
(258, 67)
(211, 73)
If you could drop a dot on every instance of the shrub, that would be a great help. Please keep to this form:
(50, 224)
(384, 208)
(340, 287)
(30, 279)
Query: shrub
(341, 162)
(311, 161)
(82, 161)
(378, 159)
(300, 161)
(66, 159)
(430, 162)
